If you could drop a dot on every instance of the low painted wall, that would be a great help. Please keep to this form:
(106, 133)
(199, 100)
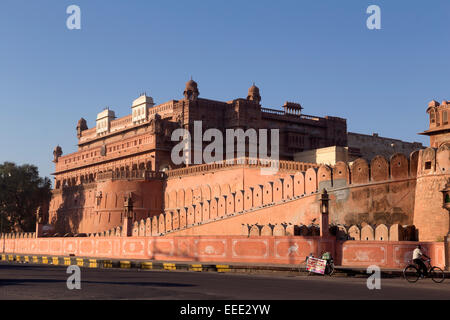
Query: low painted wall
(264, 249)
(394, 254)
(276, 250)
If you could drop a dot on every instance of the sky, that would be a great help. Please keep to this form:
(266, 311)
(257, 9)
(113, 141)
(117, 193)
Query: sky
(318, 53)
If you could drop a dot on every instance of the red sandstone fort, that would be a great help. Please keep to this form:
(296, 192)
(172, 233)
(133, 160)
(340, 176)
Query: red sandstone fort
(121, 182)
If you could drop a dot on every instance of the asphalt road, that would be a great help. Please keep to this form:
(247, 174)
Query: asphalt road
(49, 282)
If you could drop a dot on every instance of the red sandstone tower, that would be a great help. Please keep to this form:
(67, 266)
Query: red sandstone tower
(433, 173)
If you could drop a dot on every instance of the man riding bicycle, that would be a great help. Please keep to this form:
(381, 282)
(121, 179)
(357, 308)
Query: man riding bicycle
(418, 256)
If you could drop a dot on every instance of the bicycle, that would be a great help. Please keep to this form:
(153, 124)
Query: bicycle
(412, 273)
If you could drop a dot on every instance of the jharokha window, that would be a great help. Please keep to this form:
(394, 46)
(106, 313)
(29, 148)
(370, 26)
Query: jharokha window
(432, 117)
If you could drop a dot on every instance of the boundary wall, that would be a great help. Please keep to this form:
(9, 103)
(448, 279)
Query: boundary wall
(270, 250)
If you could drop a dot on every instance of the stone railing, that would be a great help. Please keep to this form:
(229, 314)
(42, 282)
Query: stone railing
(283, 113)
(247, 162)
(145, 175)
(273, 111)
(307, 117)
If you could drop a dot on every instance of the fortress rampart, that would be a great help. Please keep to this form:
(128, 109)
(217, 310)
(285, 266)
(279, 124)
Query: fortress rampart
(360, 193)
(230, 212)
(219, 198)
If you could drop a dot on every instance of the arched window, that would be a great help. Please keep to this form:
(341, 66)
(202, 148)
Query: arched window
(438, 121)
(444, 117)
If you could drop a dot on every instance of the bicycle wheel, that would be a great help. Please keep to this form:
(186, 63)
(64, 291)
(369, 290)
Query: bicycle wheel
(437, 274)
(411, 273)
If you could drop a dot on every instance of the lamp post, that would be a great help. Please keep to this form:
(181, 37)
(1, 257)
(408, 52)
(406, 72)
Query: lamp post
(3, 235)
(129, 206)
(127, 225)
(324, 210)
(446, 199)
(446, 196)
(3, 175)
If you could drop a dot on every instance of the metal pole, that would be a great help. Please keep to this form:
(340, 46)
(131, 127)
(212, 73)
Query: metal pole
(3, 235)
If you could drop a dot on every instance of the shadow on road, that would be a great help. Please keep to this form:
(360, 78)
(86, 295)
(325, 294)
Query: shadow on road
(15, 282)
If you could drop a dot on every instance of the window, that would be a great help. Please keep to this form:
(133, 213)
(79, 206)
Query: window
(428, 165)
(432, 117)
(444, 117)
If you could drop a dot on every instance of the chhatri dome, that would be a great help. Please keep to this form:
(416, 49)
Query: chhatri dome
(253, 94)
(191, 92)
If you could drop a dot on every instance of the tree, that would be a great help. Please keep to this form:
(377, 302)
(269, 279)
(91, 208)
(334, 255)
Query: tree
(22, 191)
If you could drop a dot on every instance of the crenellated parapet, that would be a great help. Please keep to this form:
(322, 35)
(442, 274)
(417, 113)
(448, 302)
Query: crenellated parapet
(397, 167)
(432, 161)
(280, 229)
(365, 232)
(377, 232)
(18, 235)
(299, 180)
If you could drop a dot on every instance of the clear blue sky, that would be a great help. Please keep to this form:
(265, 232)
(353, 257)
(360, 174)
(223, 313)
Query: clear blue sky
(318, 53)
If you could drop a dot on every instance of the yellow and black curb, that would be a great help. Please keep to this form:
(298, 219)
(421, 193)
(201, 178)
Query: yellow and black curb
(117, 264)
(92, 263)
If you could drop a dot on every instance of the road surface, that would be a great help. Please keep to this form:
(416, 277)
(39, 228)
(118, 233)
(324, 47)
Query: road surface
(21, 281)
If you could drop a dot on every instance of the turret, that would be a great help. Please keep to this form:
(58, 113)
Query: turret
(81, 126)
(191, 91)
(253, 94)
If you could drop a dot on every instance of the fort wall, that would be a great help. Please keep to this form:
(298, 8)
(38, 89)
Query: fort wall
(381, 192)
(99, 206)
(217, 199)
(373, 145)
